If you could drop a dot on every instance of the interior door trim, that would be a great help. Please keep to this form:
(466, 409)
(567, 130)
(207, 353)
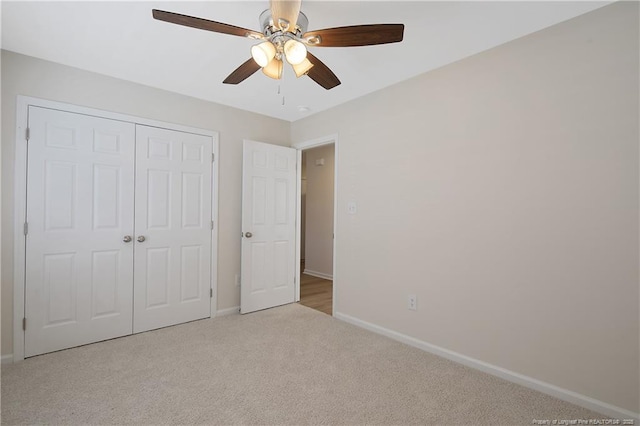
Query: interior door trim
(301, 146)
(20, 198)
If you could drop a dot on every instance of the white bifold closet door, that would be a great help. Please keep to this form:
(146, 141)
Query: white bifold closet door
(119, 229)
(173, 218)
(79, 271)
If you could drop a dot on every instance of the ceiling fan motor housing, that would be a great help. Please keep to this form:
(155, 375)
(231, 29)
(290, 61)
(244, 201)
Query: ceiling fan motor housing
(278, 36)
(269, 27)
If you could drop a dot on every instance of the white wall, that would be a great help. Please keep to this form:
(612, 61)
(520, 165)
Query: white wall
(319, 211)
(502, 190)
(23, 75)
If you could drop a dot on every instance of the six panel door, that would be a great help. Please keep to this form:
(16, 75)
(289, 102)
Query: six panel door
(173, 228)
(268, 226)
(82, 284)
(79, 271)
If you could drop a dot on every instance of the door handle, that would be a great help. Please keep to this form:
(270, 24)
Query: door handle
(248, 234)
(141, 239)
(127, 238)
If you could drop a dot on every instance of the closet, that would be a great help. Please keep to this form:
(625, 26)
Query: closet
(118, 228)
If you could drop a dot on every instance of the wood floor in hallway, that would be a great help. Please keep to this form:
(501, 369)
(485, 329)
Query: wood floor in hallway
(316, 293)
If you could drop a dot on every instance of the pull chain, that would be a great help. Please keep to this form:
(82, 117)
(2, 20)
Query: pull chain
(280, 93)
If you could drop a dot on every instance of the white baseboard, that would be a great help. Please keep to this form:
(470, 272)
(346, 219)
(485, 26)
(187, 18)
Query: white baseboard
(228, 311)
(7, 359)
(318, 274)
(529, 382)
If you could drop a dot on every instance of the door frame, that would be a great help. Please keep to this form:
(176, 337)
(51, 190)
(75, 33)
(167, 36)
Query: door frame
(302, 146)
(20, 198)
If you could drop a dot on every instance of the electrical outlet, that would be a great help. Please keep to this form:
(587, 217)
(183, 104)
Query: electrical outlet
(237, 280)
(412, 303)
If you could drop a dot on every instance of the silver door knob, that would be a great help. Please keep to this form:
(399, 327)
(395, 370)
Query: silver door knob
(141, 239)
(248, 234)
(127, 238)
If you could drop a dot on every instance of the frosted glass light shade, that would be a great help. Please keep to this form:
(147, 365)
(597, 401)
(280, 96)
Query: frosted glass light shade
(263, 53)
(302, 68)
(273, 69)
(295, 52)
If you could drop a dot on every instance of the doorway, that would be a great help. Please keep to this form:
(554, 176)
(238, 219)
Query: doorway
(317, 198)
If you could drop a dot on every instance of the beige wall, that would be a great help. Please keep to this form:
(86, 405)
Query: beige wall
(502, 190)
(319, 210)
(22, 75)
(303, 205)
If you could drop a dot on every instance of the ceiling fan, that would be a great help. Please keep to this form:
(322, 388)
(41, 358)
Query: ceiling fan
(284, 37)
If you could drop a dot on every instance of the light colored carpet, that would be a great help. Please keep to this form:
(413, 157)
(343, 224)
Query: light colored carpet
(287, 365)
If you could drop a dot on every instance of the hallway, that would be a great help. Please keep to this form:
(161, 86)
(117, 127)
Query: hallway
(316, 293)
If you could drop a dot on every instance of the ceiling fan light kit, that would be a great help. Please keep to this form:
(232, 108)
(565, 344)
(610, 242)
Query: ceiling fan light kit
(302, 68)
(263, 53)
(294, 51)
(280, 40)
(273, 69)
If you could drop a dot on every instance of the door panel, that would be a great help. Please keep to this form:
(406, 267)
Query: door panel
(106, 193)
(173, 214)
(79, 272)
(104, 280)
(268, 216)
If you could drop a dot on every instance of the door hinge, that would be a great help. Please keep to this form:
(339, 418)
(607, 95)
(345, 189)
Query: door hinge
(27, 134)
(211, 293)
(213, 157)
(26, 228)
(24, 323)
(211, 224)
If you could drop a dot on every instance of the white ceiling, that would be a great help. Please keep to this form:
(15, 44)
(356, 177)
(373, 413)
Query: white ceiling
(121, 39)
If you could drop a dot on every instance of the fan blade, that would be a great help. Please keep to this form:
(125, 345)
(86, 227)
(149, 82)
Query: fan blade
(204, 24)
(355, 35)
(287, 10)
(321, 74)
(243, 72)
